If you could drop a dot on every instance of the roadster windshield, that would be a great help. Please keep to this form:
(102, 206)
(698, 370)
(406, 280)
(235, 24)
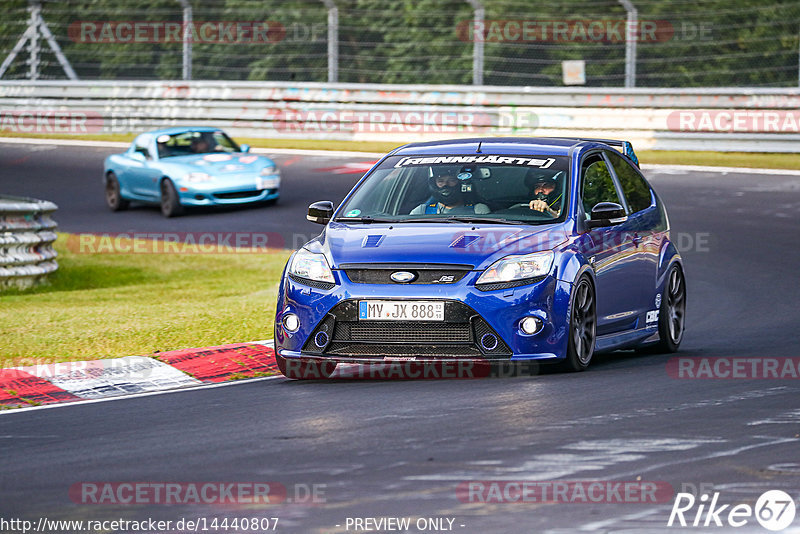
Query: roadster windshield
(194, 142)
(482, 188)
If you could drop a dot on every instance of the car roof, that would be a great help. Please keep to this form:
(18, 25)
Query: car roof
(546, 146)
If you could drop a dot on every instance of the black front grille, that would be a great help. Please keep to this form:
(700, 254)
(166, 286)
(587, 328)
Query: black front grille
(463, 333)
(424, 273)
(366, 350)
(238, 194)
(423, 276)
(408, 332)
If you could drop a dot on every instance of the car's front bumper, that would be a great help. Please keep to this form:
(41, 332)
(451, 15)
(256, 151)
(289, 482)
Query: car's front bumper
(195, 197)
(479, 325)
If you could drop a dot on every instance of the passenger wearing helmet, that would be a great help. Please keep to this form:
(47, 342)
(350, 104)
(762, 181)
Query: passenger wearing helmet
(546, 194)
(448, 187)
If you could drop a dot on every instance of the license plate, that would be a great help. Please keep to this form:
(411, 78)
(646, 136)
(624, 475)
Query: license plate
(407, 310)
(267, 183)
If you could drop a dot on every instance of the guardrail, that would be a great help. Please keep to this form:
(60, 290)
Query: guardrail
(761, 120)
(26, 236)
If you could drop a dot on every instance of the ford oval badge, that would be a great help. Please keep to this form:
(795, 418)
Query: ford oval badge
(403, 277)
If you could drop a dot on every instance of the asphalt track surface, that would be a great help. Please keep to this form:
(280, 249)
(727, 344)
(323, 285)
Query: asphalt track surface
(383, 448)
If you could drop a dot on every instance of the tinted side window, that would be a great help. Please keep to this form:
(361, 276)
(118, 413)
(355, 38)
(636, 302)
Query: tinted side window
(635, 189)
(598, 185)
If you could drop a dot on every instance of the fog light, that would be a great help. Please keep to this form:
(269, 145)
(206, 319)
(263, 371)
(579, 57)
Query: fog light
(531, 325)
(291, 322)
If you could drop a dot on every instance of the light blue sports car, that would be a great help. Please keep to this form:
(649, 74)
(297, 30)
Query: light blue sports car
(178, 167)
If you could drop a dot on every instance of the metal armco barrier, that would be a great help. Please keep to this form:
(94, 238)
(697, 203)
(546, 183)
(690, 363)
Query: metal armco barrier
(27, 234)
(759, 120)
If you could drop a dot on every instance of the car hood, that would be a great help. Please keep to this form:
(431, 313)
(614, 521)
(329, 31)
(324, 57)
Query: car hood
(475, 245)
(219, 164)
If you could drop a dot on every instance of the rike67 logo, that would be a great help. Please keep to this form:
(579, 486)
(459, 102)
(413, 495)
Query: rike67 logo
(774, 510)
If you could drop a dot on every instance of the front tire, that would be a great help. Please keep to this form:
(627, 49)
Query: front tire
(114, 199)
(672, 313)
(170, 201)
(582, 326)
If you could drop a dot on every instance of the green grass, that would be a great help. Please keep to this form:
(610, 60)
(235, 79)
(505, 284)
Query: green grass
(114, 305)
(721, 159)
(666, 157)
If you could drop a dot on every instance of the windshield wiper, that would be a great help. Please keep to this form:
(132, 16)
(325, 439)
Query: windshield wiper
(489, 220)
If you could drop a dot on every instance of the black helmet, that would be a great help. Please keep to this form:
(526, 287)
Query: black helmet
(447, 194)
(535, 178)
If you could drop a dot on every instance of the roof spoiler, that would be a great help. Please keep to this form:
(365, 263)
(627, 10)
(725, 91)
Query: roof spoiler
(625, 146)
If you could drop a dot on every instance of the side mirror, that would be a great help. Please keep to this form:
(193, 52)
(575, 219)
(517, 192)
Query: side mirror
(320, 212)
(138, 156)
(606, 214)
(244, 148)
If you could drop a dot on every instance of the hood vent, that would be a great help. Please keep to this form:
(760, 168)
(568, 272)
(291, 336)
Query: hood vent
(372, 241)
(464, 241)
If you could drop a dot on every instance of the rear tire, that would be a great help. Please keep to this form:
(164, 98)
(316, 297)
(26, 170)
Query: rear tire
(170, 201)
(304, 369)
(582, 326)
(672, 313)
(114, 199)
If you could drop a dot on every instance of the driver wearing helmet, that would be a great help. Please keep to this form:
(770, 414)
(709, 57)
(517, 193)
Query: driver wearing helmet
(199, 145)
(448, 187)
(546, 196)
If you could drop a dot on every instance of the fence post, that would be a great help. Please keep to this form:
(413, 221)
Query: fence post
(33, 44)
(631, 37)
(333, 41)
(477, 43)
(187, 39)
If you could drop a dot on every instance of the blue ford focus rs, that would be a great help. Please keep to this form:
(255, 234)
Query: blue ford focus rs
(485, 250)
(179, 167)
